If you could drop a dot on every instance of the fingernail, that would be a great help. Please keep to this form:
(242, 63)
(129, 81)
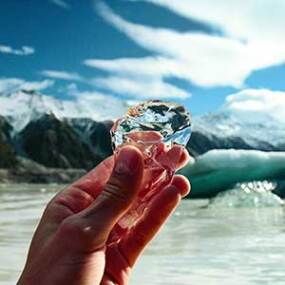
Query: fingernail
(128, 161)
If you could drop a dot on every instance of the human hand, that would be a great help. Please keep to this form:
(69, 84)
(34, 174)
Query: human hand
(70, 243)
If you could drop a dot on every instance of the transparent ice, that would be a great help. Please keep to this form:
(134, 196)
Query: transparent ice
(170, 120)
(154, 127)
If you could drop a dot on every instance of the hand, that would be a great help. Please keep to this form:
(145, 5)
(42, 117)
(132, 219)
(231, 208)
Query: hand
(69, 245)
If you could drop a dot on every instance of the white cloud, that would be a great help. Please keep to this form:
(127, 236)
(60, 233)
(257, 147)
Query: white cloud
(57, 74)
(94, 104)
(146, 66)
(24, 50)
(61, 4)
(206, 60)
(142, 87)
(8, 85)
(70, 89)
(101, 106)
(255, 20)
(37, 85)
(257, 105)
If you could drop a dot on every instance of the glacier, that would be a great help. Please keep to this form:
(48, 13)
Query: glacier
(219, 170)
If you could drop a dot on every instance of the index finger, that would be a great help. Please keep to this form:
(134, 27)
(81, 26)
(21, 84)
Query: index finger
(153, 218)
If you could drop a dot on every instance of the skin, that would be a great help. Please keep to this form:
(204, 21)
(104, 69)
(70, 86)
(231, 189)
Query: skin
(70, 243)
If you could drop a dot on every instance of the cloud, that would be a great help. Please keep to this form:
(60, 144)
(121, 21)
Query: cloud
(61, 4)
(24, 50)
(8, 85)
(203, 59)
(247, 20)
(96, 105)
(37, 85)
(70, 89)
(142, 87)
(146, 66)
(56, 74)
(101, 106)
(257, 105)
(138, 77)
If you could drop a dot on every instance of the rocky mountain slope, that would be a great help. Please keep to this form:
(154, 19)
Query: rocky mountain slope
(7, 152)
(55, 143)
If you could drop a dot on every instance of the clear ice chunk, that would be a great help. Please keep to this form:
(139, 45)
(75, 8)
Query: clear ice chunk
(170, 120)
(154, 127)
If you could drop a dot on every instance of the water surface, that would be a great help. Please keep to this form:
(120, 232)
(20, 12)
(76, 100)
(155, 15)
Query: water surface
(199, 245)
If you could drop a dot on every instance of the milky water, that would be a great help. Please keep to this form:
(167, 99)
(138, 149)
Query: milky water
(199, 245)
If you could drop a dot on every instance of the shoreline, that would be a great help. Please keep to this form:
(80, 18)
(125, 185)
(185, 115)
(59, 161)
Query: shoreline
(42, 176)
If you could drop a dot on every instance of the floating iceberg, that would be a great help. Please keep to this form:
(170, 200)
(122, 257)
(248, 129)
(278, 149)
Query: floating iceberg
(220, 170)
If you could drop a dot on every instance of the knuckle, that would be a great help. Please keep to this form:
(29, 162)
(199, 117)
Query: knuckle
(114, 190)
(70, 227)
(75, 230)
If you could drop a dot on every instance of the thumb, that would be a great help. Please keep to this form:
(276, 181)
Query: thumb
(118, 194)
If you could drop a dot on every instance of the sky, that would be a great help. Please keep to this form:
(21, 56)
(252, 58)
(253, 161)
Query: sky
(195, 52)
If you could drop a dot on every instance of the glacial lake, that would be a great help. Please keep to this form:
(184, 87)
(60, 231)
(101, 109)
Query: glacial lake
(200, 244)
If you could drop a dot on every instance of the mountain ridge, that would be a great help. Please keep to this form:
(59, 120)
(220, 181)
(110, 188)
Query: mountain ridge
(39, 143)
(40, 127)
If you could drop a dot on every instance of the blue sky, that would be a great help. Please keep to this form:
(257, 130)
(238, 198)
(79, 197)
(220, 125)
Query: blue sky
(196, 54)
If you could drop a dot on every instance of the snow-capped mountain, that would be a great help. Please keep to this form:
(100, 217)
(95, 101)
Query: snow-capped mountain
(225, 129)
(70, 134)
(264, 134)
(56, 133)
(24, 106)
